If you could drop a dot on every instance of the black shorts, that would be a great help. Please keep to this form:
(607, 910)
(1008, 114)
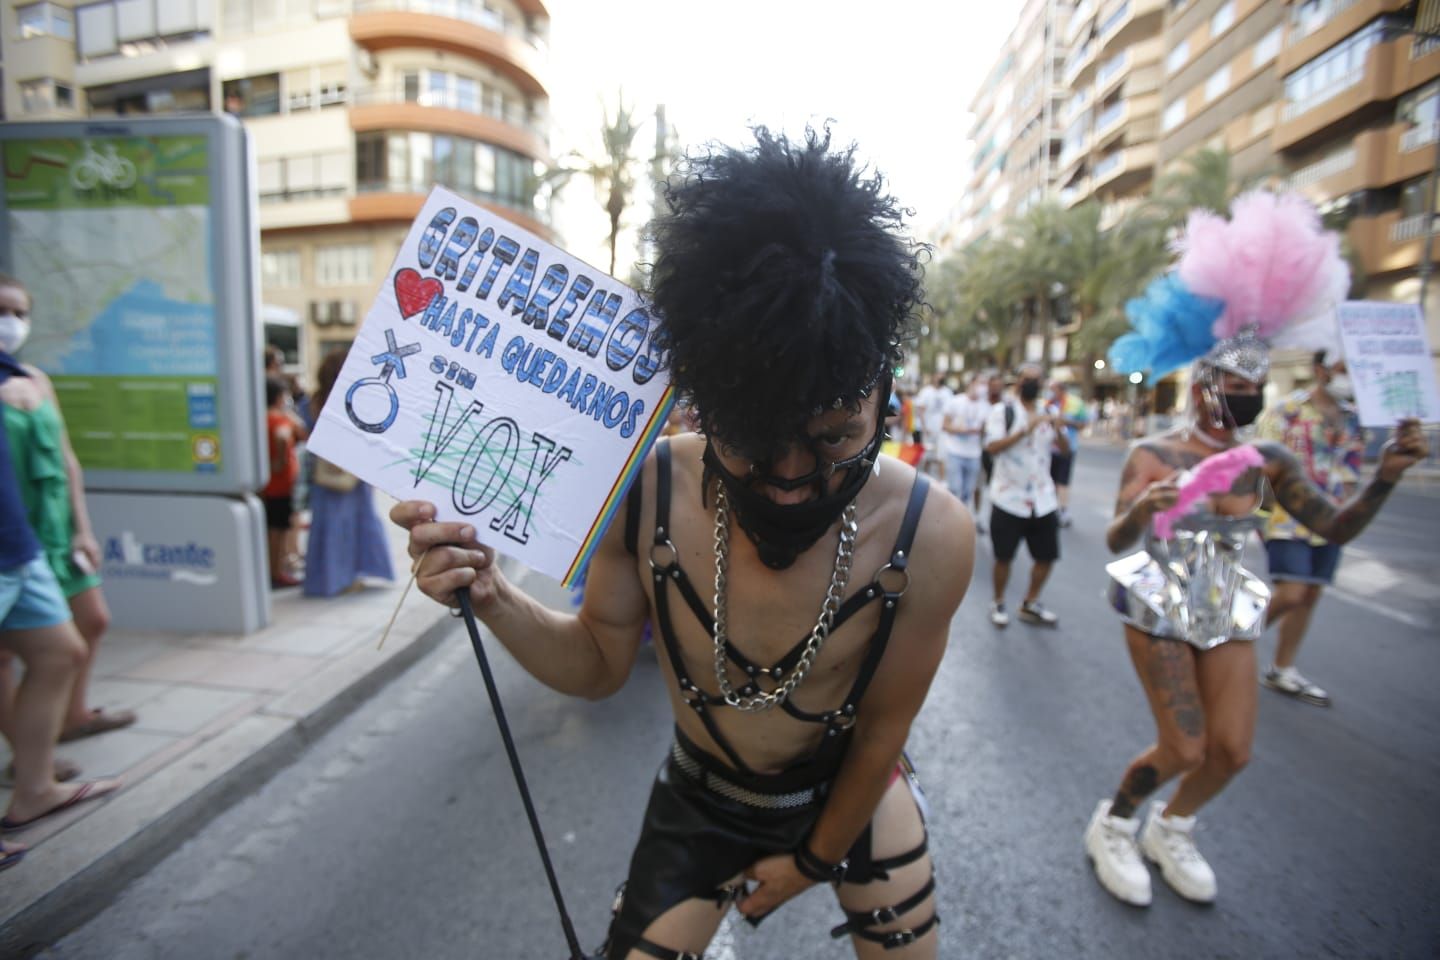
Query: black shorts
(278, 511)
(1060, 468)
(1041, 535)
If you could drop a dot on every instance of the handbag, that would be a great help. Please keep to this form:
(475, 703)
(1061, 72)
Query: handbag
(334, 478)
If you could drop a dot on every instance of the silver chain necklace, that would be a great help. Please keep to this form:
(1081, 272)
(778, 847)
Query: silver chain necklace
(839, 578)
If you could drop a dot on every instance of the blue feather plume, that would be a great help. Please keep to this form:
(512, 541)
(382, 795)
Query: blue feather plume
(1170, 326)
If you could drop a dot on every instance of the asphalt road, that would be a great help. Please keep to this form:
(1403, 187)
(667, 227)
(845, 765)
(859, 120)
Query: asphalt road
(399, 834)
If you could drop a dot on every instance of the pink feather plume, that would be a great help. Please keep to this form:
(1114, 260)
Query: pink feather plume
(1214, 474)
(1271, 262)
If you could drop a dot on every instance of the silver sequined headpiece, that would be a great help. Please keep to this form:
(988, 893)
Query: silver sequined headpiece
(1244, 355)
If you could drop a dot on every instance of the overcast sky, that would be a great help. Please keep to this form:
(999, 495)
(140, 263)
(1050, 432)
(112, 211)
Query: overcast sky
(896, 76)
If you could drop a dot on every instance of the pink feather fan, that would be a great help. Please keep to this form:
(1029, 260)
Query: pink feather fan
(1214, 474)
(1271, 262)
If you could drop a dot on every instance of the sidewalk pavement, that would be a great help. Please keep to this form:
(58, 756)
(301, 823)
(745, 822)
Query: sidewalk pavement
(218, 714)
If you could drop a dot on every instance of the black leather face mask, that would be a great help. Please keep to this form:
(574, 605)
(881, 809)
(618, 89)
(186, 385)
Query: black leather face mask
(781, 532)
(1244, 408)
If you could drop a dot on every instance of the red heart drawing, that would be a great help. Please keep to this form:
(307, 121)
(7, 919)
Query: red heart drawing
(414, 293)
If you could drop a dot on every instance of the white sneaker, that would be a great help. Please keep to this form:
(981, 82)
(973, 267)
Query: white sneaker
(998, 616)
(1170, 843)
(1110, 844)
(1289, 681)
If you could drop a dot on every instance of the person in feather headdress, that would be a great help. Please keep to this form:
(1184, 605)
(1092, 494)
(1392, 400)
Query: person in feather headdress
(1191, 611)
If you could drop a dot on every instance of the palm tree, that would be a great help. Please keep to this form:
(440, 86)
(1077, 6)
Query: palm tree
(612, 171)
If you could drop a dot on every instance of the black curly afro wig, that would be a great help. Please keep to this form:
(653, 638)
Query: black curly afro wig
(784, 283)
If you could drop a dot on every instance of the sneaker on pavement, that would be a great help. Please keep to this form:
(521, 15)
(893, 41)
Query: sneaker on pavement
(1170, 843)
(1110, 844)
(1064, 518)
(1291, 682)
(1036, 613)
(998, 616)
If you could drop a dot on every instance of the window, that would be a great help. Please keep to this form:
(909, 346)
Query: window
(329, 313)
(414, 162)
(1419, 106)
(253, 96)
(1334, 71)
(1218, 83)
(280, 269)
(45, 95)
(1176, 58)
(343, 265)
(1221, 20)
(45, 20)
(1268, 47)
(127, 27)
(1173, 116)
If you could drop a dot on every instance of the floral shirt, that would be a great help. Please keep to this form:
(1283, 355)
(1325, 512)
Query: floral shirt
(1329, 451)
(1020, 482)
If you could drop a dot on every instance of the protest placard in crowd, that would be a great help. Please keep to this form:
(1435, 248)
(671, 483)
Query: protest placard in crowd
(512, 385)
(1388, 356)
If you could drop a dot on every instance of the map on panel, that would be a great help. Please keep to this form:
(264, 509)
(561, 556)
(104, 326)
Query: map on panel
(111, 235)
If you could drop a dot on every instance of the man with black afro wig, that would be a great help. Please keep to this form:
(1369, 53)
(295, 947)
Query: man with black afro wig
(786, 288)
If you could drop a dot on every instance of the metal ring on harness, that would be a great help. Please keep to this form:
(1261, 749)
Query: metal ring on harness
(904, 571)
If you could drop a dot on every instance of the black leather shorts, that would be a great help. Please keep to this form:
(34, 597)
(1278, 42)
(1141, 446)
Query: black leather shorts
(693, 841)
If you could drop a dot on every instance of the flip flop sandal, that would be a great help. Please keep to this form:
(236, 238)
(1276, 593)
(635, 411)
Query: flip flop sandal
(99, 722)
(8, 858)
(86, 792)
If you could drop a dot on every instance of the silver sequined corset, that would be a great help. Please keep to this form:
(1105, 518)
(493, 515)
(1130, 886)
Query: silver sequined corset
(1192, 587)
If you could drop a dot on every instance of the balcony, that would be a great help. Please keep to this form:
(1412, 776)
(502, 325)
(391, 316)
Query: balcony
(1111, 122)
(1307, 39)
(1078, 65)
(1375, 160)
(466, 29)
(1389, 242)
(387, 108)
(1131, 21)
(1419, 136)
(1110, 71)
(1124, 170)
(1389, 71)
(1082, 16)
(396, 202)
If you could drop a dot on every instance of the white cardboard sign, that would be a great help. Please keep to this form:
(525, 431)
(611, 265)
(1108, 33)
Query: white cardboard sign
(510, 384)
(1388, 356)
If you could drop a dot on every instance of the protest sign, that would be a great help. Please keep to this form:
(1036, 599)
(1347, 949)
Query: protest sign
(1388, 356)
(507, 382)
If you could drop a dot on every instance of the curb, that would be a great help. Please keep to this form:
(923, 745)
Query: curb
(87, 866)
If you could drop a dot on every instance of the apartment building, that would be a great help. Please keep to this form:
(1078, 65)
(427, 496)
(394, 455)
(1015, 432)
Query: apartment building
(1111, 122)
(355, 108)
(1359, 128)
(1221, 86)
(1015, 131)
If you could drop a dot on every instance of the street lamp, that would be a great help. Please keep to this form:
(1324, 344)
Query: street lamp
(1099, 364)
(1136, 377)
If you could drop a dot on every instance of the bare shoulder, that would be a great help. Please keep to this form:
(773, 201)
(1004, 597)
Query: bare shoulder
(942, 554)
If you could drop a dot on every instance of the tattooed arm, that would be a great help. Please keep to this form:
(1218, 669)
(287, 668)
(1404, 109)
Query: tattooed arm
(1308, 504)
(1147, 487)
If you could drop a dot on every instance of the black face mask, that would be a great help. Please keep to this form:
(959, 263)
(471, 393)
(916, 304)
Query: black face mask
(781, 532)
(1244, 408)
(1029, 389)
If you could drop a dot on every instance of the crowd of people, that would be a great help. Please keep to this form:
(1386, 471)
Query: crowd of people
(345, 544)
(788, 767)
(784, 773)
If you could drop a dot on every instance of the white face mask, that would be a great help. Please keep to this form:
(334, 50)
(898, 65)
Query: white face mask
(13, 332)
(1340, 387)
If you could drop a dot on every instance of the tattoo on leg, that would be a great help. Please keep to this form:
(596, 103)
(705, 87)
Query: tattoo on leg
(1171, 678)
(1139, 783)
